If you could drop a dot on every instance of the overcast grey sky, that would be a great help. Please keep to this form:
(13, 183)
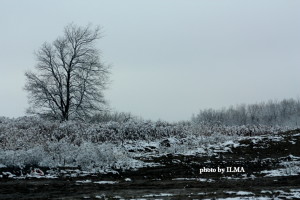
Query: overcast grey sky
(169, 58)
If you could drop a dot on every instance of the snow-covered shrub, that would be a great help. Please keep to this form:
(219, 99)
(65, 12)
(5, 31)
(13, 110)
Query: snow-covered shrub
(23, 158)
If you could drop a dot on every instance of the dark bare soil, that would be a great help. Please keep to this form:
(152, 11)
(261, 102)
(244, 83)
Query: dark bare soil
(179, 177)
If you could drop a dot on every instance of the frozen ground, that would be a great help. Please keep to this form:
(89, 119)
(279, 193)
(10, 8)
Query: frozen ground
(258, 167)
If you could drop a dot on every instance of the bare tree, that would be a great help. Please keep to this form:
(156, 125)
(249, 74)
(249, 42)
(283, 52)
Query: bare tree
(69, 78)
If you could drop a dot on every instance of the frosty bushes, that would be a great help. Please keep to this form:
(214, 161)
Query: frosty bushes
(28, 132)
(88, 156)
(24, 133)
(207, 129)
(32, 141)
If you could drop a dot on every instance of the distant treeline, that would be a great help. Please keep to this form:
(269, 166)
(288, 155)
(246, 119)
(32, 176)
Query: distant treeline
(271, 113)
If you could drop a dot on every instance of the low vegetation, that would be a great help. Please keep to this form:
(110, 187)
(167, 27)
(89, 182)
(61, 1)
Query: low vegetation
(92, 146)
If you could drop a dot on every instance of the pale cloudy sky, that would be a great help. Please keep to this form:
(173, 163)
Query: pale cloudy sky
(169, 58)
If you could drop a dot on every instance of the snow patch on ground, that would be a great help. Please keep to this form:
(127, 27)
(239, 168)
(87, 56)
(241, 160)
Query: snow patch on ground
(159, 195)
(128, 179)
(244, 193)
(84, 181)
(193, 179)
(2, 166)
(106, 182)
(290, 167)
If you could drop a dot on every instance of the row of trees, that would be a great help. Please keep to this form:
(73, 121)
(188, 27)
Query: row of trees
(282, 113)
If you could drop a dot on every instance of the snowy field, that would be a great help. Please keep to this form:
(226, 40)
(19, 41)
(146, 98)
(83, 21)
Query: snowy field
(147, 160)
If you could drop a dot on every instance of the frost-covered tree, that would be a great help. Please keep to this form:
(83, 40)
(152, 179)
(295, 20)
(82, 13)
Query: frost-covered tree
(282, 113)
(69, 79)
